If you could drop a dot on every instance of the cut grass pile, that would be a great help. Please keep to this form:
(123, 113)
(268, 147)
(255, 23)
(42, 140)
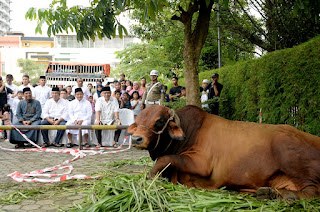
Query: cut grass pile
(121, 190)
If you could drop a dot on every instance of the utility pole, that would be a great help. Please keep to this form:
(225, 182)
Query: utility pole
(219, 44)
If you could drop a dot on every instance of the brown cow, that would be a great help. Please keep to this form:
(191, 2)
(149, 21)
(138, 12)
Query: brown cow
(207, 151)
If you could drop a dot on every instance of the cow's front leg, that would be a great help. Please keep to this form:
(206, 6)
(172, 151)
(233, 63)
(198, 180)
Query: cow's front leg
(183, 163)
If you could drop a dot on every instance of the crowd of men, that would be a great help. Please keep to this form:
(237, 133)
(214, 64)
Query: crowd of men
(80, 105)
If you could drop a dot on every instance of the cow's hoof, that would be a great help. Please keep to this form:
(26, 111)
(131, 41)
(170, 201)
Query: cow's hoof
(267, 193)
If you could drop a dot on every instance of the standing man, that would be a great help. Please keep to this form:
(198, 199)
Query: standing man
(13, 87)
(84, 89)
(154, 91)
(107, 112)
(28, 113)
(55, 112)
(80, 112)
(4, 92)
(214, 93)
(42, 92)
(175, 91)
(26, 83)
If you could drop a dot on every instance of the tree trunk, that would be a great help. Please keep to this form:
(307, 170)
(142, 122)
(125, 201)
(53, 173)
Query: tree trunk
(194, 39)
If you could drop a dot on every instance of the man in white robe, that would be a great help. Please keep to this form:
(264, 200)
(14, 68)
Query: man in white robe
(107, 112)
(85, 89)
(80, 112)
(42, 92)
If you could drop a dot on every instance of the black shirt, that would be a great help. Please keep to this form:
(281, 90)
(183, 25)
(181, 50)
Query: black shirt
(175, 90)
(4, 96)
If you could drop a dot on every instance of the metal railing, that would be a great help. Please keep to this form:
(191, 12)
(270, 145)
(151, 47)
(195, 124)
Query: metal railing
(65, 127)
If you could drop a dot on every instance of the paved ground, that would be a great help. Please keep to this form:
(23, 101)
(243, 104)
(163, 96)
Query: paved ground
(29, 161)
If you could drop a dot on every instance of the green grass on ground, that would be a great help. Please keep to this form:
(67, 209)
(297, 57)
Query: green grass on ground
(122, 189)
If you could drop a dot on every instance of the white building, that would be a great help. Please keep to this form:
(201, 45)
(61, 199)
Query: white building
(4, 17)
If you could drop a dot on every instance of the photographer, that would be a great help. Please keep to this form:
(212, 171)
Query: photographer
(214, 93)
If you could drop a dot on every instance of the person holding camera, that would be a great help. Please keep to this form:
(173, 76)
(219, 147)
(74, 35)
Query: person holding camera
(214, 93)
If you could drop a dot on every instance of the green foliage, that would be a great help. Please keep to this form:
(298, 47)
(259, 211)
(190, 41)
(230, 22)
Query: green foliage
(32, 68)
(284, 84)
(139, 59)
(97, 20)
(274, 25)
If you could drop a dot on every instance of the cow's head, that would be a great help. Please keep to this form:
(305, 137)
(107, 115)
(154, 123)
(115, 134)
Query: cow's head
(152, 122)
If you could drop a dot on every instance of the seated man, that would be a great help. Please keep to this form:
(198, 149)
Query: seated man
(55, 112)
(80, 112)
(28, 113)
(107, 112)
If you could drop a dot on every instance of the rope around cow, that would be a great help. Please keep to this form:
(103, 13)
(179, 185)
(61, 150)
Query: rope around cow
(44, 175)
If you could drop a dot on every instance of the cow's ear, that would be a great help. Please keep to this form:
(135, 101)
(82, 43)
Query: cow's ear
(132, 128)
(175, 131)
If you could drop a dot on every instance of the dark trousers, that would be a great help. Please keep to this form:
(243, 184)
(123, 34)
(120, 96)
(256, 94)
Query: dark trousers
(45, 133)
(214, 108)
(99, 136)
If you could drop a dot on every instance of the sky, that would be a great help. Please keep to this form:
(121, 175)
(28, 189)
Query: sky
(19, 9)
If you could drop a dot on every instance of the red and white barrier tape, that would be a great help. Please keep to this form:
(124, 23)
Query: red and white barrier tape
(43, 175)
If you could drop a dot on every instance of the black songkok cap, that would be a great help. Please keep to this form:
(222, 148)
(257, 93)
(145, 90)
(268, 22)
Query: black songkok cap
(55, 89)
(26, 89)
(107, 88)
(78, 90)
(42, 77)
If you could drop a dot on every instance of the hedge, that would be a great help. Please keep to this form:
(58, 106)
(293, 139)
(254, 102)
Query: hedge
(284, 84)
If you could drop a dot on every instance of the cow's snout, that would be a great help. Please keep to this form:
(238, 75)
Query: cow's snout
(136, 140)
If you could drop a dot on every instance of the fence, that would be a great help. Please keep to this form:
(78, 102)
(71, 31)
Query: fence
(65, 127)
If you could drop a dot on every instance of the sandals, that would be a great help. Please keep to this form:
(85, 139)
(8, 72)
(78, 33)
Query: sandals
(86, 145)
(115, 145)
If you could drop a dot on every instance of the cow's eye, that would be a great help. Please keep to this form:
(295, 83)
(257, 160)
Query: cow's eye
(159, 124)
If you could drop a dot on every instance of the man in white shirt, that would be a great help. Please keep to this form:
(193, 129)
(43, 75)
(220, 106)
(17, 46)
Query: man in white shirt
(107, 112)
(85, 90)
(26, 83)
(13, 87)
(55, 112)
(42, 92)
(80, 112)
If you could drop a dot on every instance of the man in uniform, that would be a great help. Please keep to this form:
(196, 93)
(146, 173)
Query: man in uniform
(154, 91)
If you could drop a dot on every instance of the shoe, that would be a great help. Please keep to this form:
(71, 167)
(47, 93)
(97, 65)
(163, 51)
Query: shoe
(19, 146)
(115, 145)
(69, 145)
(86, 145)
(29, 146)
(56, 145)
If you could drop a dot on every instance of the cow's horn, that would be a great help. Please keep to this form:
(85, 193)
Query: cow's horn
(176, 117)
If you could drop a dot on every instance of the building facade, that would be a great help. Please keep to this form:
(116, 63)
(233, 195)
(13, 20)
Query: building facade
(4, 17)
(61, 48)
